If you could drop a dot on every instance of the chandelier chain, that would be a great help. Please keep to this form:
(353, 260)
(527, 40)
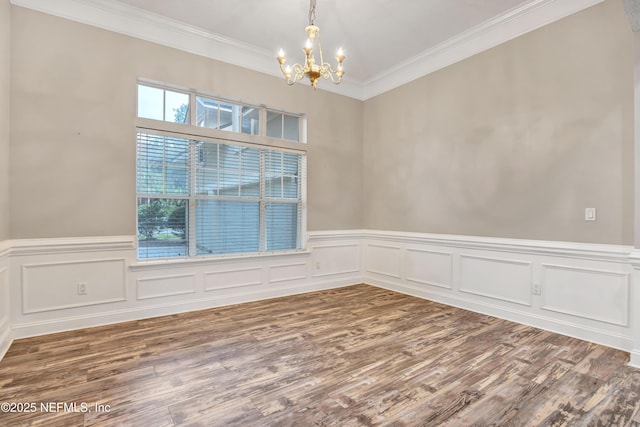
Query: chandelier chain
(312, 12)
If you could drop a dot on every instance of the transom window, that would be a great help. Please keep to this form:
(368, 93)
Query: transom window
(201, 195)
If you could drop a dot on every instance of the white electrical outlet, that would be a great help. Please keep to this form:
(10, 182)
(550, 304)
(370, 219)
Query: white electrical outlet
(82, 288)
(536, 289)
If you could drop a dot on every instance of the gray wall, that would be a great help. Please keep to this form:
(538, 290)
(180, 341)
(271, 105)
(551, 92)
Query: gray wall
(514, 142)
(73, 97)
(5, 42)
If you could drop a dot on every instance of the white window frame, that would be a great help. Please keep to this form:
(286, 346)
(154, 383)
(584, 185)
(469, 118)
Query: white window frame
(193, 132)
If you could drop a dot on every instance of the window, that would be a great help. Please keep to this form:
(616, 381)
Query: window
(162, 104)
(200, 195)
(214, 114)
(283, 126)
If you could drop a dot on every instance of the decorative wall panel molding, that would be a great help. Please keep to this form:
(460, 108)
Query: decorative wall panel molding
(590, 251)
(6, 335)
(288, 272)
(55, 285)
(384, 259)
(429, 267)
(336, 259)
(486, 275)
(228, 279)
(45, 275)
(506, 278)
(587, 292)
(497, 278)
(165, 286)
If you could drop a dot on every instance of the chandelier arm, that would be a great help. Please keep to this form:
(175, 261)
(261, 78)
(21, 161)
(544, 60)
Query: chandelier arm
(329, 73)
(325, 70)
(299, 74)
(296, 72)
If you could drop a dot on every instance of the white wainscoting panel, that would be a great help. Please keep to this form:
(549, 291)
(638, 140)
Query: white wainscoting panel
(288, 272)
(6, 336)
(384, 259)
(165, 286)
(54, 286)
(585, 287)
(590, 293)
(232, 278)
(502, 279)
(429, 267)
(496, 276)
(44, 276)
(335, 259)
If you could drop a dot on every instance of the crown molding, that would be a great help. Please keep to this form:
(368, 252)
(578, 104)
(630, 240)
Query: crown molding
(502, 28)
(632, 8)
(121, 18)
(115, 16)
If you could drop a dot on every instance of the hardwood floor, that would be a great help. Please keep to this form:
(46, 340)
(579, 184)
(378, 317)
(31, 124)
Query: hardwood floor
(355, 356)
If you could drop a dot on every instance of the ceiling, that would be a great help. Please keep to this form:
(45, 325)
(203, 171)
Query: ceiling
(374, 33)
(387, 42)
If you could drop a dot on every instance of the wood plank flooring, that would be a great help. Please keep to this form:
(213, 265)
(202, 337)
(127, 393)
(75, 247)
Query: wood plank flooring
(355, 356)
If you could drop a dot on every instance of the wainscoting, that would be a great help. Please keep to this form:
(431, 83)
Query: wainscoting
(6, 335)
(580, 290)
(63, 284)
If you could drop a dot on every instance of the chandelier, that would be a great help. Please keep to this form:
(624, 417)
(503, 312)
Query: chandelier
(311, 69)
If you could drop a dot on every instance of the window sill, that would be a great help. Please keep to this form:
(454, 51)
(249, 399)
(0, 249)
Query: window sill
(141, 265)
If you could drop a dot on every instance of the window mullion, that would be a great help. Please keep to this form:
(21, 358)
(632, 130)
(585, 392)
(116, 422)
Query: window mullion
(240, 174)
(282, 175)
(164, 165)
(191, 225)
(263, 122)
(263, 205)
(302, 202)
(192, 110)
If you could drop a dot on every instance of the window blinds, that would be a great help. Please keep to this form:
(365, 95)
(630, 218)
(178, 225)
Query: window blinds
(214, 198)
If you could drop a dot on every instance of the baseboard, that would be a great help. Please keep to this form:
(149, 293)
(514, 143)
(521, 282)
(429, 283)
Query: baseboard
(107, 317)
(6, 337)
(6, 334)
